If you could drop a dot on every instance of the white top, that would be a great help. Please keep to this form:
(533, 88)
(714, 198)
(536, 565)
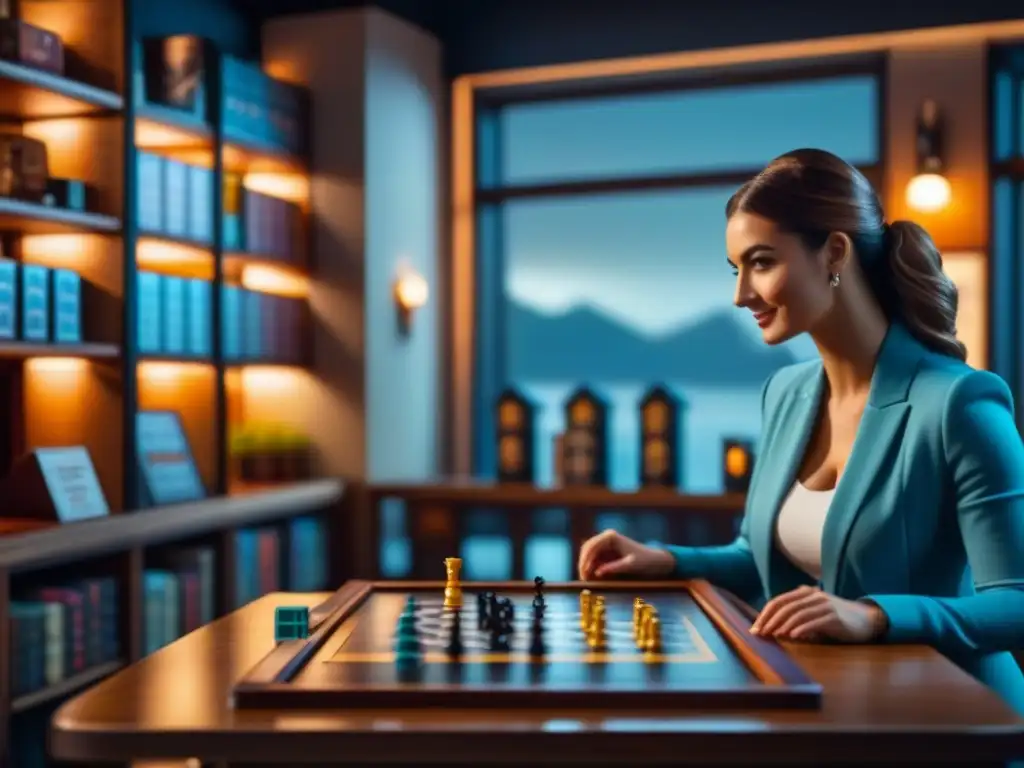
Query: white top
(799, 526)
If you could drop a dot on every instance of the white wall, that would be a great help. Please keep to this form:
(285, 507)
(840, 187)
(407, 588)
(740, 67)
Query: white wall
(378, 94)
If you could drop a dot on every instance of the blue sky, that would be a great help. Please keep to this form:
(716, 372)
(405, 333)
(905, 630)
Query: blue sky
(656, 260)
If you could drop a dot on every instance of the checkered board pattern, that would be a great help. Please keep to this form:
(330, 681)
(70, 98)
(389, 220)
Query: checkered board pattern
(563, 636)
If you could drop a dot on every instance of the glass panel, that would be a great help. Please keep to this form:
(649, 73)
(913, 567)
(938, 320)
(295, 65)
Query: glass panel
(1003, 140)
(696, 131)
(624, 291)
(486, 558)
(1002, 271)
(550, 557)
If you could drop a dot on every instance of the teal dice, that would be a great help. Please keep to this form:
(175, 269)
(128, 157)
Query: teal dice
(291, 623)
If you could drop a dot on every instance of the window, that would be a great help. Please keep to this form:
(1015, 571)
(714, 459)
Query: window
(695, 131)
(1006, 272)
(592, 274)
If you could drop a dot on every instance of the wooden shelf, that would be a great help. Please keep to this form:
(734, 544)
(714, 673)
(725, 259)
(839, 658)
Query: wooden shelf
(177, 242)
(39, 219)
(21, 350)
(157, 125)
(27, 93)
(243, 156)
(88, 539)
(64, 687)
(263, 363)
(182, 359)
(234, 261)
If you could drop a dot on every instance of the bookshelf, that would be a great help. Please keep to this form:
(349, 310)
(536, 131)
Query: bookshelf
(194, 234)
(126, 550)
(185, 229)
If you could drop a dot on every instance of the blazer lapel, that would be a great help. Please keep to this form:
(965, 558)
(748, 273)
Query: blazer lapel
(876, 442)
(783, 452)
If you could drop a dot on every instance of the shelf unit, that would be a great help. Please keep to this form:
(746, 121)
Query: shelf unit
(96, 132)
(122, 546)
(96, 123)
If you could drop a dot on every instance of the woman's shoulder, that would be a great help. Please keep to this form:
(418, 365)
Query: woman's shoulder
(947, 382)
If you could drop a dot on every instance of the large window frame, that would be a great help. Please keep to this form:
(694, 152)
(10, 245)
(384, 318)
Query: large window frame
(1006, 238)
(488, 194)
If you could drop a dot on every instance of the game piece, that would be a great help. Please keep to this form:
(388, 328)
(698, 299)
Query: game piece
(596, 637)
(453, 587)
(406, 630)
(482, 603)
(598, 605)
(407, 642)
(638, 607)
(537, 645)
(291, 623)
(410, 604)
(652, 643)
(538, 588)
(585, 609)
(647, 614)
(539, 607)
(455, 648)
(492, 608)
(508, 610)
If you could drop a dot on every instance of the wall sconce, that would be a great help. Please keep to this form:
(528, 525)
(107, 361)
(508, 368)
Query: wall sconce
(929, 191)
(411, 293)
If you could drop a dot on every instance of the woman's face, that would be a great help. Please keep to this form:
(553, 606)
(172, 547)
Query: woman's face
(778, 279)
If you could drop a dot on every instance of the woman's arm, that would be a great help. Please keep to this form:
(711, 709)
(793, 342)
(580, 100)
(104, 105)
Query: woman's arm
(730, 566)
(985, 461)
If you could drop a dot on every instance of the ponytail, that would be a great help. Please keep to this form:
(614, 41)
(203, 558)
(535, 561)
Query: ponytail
(920, 293)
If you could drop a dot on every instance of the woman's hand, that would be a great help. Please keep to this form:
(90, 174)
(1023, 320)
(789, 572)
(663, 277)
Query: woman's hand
(807, 613)
(611, 554)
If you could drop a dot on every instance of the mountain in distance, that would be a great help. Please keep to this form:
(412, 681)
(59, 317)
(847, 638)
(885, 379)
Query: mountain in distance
(584, 344)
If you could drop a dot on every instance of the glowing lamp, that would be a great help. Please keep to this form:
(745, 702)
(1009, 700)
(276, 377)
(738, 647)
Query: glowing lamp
(929, 190)
(411, 294)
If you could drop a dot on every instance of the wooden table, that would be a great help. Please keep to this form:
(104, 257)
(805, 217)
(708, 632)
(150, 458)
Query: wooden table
(880, 704)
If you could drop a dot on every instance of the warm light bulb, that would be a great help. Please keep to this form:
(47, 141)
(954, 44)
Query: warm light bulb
(411, 290)
(928, 192)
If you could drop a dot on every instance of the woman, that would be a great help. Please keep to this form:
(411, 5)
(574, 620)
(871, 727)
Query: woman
(887, 502)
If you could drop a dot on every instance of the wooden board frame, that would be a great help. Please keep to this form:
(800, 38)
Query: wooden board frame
(782, 684)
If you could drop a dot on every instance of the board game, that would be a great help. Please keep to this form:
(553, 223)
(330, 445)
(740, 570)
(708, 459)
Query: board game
(664, 645)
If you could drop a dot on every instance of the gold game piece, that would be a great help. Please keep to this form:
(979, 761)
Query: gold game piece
(647, 612)
(652, 643)
(586, 606)
(596, 638)
(638, 607)
(453, 589)
(598, 605)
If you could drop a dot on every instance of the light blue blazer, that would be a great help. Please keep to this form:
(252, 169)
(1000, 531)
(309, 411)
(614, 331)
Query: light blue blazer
(927, 519)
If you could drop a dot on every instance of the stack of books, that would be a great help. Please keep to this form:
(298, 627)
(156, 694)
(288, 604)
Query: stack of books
(179, 595)
(258, 560)
(308, 552)
(60, 631)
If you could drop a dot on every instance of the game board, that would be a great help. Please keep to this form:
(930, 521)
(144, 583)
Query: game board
(708, 658)
(565, 639)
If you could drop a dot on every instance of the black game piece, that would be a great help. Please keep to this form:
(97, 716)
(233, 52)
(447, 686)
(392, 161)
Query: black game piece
(537, 646)
(538, 587)
(455, 648)
(482, 606)
(499, 640)
(508, 610)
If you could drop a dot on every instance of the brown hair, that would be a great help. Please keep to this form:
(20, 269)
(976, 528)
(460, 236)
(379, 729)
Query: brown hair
(812, 193)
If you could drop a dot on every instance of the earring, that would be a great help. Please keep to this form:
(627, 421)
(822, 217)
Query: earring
(834, 280)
